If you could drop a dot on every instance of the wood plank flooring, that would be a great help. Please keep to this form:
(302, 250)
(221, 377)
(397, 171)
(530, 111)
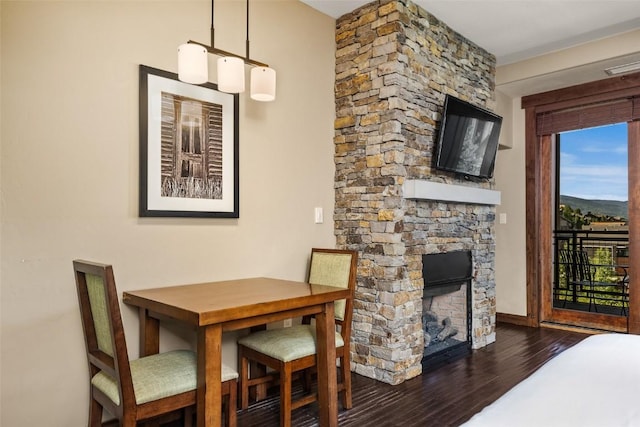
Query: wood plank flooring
(444, 397)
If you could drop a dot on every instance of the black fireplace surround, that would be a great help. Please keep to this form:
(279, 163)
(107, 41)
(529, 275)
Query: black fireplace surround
(444, 273)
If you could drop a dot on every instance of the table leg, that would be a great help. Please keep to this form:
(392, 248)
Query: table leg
(149, 333)
(327, 373)
(209, 393)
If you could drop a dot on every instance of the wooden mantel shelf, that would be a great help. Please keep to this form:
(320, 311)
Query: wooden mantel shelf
(429, 190)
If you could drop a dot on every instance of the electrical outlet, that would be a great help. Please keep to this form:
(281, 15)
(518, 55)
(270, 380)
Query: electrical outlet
(287, 323)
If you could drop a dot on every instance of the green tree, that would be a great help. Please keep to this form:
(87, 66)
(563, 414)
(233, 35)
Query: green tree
(574, 217)
(603, 262)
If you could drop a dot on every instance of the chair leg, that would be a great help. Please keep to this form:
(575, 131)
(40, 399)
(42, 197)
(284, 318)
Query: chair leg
(307, 380)
(259, 391)
(243, 369)
(95, 413)
(285, 395)
(345, 374)
(188, 416)
(232, 404)
(592, 298)
(128, 421)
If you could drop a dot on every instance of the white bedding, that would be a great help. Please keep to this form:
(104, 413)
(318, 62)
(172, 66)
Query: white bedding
(595, 383)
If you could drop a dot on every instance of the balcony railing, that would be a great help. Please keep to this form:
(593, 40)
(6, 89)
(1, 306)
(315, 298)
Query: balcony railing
(591, 271)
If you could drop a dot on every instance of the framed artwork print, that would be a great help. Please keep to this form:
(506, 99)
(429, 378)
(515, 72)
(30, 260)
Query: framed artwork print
(188, 148)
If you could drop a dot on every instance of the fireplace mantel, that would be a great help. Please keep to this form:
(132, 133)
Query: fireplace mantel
(430, 190)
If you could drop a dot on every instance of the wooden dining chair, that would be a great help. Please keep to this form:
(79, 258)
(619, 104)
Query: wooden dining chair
(293, 349)
(137, 390)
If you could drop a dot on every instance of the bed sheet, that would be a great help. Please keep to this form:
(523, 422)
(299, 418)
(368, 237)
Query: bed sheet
(595, 383)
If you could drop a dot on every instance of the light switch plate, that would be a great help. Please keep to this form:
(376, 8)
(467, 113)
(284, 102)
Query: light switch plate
(319, 216)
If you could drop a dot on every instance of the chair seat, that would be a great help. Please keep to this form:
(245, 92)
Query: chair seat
(286, 344)
(158, 376)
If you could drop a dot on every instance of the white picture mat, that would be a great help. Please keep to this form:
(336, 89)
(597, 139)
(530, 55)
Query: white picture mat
(155, 86)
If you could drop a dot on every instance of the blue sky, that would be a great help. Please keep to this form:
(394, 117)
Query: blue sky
(593, 163)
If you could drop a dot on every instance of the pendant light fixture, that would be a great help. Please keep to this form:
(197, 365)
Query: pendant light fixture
(263, 84)
(193, 67)
(230, 74)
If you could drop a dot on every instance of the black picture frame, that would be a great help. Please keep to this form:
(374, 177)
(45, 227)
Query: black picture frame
(189, 155)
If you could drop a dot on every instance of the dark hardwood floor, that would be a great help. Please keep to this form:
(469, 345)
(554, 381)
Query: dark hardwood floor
(447, 396)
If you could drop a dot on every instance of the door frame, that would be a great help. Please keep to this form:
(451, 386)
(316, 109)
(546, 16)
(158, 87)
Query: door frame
(539, 196)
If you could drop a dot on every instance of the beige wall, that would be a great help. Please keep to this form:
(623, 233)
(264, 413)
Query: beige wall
(69, 173)
(510, 236)
(548, 72)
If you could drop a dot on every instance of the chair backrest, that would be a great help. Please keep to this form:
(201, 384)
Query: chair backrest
(335, 267)
(577, 264)
(585, 272)
(102, 325)
(566, 259)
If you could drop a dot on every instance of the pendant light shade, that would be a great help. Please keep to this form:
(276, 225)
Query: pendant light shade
(263, 84)
(230, 74)
(192, 63)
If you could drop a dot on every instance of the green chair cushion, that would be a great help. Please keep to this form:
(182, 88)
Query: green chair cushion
(100, 312)
(158, 376)
(286, 344)
(332, 269)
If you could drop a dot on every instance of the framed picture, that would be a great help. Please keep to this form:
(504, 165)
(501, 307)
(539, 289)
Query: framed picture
(188, 148)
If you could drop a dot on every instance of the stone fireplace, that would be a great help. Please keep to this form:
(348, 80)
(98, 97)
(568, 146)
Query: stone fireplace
(394, 64)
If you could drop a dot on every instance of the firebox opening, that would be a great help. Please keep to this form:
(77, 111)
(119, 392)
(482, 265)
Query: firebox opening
(446, 307)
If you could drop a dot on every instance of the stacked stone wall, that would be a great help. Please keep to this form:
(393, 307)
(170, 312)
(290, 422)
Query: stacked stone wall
(394, 65)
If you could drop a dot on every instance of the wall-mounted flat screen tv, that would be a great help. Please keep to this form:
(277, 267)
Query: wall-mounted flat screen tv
(468, 139)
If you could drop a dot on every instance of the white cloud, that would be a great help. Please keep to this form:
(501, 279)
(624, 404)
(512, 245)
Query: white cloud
(604, 182)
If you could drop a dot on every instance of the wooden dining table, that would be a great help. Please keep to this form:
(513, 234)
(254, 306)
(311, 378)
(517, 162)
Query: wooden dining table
(215, 307)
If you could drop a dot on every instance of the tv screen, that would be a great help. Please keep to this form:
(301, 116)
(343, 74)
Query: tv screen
(468, 139)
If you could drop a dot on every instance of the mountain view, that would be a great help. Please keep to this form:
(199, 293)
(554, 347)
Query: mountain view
(614, 208)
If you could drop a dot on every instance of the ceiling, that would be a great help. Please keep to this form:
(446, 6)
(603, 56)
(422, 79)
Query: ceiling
(515, 30)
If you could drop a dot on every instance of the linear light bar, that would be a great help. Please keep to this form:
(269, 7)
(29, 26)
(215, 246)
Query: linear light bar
(622, 69)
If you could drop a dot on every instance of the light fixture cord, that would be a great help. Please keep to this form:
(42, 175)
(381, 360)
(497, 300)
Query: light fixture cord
(212, 49)
(212, 28)
(248, 30)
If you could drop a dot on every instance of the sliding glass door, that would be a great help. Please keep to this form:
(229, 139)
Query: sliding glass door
(591, 227)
